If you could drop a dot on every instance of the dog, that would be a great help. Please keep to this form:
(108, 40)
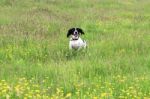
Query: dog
(75, 41)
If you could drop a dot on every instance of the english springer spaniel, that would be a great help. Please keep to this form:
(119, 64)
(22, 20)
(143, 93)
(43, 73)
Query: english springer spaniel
(75, 41)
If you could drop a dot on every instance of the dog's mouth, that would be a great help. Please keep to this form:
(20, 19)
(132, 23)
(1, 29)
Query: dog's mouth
(75, 37)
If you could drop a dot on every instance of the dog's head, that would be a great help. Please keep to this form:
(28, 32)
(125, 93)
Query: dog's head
(75, 33)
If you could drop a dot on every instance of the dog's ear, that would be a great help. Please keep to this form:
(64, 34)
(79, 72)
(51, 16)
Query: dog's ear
(80, 30)
(70, 31)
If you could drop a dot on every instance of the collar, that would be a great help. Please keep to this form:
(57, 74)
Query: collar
(73, 39)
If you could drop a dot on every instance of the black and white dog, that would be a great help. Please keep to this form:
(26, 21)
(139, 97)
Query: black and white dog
(75, 41)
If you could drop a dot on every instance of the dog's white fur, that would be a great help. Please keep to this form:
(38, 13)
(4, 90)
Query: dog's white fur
(77, 44)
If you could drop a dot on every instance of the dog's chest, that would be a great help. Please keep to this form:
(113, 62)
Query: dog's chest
(76, 43)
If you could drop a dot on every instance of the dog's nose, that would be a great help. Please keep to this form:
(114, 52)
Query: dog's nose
(75, 33)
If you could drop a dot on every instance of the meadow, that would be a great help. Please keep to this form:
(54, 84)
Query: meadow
(35, 62)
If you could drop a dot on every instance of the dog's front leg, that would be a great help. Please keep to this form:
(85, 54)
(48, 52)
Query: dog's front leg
(70, 46)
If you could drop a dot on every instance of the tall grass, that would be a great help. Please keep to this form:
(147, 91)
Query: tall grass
(34, 49)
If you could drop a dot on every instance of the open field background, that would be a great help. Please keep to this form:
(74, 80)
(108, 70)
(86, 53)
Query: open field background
(35, 62)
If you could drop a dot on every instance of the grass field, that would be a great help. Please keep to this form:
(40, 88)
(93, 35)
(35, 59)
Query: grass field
(35, 62)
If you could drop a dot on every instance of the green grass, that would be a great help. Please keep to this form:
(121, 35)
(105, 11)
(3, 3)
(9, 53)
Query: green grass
(33, 45)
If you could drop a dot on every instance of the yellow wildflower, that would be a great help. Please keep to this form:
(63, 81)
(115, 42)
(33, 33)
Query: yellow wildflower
(95, 97)
(68, 95)
(103, 94)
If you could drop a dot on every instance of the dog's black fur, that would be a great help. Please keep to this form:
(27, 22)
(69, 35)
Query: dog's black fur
(71, 31)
